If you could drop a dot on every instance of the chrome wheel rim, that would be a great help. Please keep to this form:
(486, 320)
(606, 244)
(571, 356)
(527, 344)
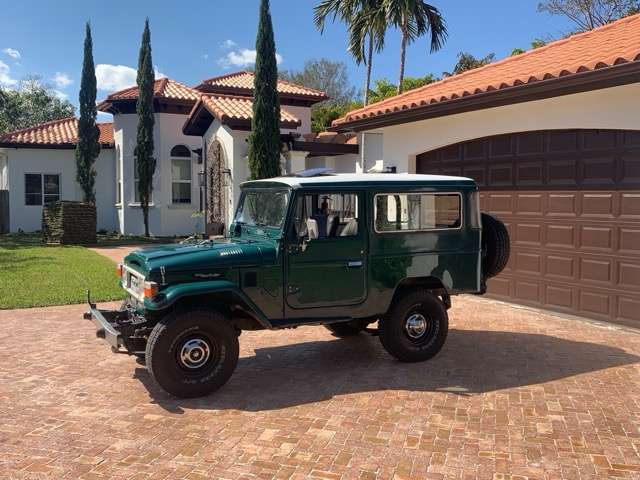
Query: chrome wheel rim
(415, 325)
(195, 353)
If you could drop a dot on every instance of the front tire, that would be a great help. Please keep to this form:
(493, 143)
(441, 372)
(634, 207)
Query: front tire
(415, 328)
(192, 353)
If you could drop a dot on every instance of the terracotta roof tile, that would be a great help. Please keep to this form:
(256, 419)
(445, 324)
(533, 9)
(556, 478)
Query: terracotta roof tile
(240, 82)
(613, 44)
(234, 108)
(62, 132)
(163, 88)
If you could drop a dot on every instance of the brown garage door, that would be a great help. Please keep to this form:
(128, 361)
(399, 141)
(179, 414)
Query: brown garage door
(571, 201)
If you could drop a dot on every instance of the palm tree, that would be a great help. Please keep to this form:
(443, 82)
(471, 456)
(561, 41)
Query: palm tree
(367, 27)
(415, 18)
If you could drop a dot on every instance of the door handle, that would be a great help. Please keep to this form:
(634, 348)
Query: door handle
(354, 264)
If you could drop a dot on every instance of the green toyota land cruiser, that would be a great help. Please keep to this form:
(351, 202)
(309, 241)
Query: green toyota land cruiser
(340, 250)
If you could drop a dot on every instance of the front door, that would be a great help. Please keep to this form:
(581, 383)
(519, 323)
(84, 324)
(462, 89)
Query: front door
(326, 252)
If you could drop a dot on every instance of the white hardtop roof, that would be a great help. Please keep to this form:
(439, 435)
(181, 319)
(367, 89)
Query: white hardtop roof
(364, 178)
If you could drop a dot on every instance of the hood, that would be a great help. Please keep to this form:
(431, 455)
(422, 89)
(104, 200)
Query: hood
(203, 256)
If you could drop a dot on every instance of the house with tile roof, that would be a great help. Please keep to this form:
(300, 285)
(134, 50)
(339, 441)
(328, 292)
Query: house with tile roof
(552, 137)
(200, 136)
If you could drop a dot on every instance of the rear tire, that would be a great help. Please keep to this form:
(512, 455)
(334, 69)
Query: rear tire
(346, 329)
(415, 328)
(192, 353)
(496, 246)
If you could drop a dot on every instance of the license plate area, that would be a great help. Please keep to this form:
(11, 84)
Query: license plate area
(133, 283)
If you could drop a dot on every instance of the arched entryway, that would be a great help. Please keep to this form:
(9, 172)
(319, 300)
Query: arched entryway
(571, 201)
(218, 186)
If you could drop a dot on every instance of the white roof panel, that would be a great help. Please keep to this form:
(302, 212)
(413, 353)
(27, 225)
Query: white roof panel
(354, 178)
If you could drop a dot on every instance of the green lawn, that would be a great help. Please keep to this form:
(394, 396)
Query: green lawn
(33, 274)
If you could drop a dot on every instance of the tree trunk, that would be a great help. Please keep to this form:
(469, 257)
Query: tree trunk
(403, 54)
(145, 218)
(367, 84)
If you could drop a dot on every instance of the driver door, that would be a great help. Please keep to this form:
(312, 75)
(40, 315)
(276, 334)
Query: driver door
(326, 252)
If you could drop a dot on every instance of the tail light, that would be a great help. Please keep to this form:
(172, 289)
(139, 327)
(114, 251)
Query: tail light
(151, 289)
(119, 270)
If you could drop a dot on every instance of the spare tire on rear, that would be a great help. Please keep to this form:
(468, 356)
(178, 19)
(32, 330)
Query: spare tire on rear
(495, 246)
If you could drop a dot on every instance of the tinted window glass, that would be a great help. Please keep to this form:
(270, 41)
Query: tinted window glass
(417, 211)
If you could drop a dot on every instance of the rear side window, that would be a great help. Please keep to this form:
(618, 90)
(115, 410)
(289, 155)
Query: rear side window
(412, 212)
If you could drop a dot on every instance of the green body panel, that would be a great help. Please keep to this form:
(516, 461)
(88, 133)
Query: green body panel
(329, 279)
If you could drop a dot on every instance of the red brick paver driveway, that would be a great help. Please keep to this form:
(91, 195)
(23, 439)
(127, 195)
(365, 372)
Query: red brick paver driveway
(514, 394)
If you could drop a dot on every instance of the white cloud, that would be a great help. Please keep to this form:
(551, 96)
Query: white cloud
(5, 77)
(205, 56)
(242, 58)
(62, 80)
(60, 95)
(111, 78)
(228, 44)
(12, 52)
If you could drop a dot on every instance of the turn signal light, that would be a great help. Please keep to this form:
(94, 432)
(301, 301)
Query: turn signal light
(119, 270)
(151, 289)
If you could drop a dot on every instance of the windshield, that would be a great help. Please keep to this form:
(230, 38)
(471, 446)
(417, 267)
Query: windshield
(263, 208)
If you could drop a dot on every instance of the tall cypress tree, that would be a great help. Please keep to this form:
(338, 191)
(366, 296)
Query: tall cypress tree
(88, 146)
(145, 162)
(264, 141)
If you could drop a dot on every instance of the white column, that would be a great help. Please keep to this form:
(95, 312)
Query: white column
(297, 161)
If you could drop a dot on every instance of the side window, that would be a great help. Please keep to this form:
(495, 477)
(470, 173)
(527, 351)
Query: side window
(41, 189)
(327, 215)
(399, 212)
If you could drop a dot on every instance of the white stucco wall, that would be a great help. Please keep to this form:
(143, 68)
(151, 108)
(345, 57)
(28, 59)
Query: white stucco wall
(61, 162)
(610, 108)
(301, 113)
(165, 218)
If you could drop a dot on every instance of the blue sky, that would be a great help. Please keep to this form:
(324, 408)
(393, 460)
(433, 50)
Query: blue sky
(193, 40)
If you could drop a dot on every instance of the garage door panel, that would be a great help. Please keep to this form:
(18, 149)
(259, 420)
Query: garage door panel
(530, 204)
(500, 203)
(596, 238)
(530, 173)
(561, 267)
(562, 236)
(500, 287)
(562, 173)
(562, 205)
(600, 172)
(560, 297)
(629, 310)
(500, 175)
(598, 271)
(530, 143)
(598, 205)
(629, 275)
(528, 234)
(630, 241)
(571, 202)
(630, 206)
(592, 302)
(630, 171)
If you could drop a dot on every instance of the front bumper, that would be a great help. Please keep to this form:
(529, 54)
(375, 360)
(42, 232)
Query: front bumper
(105, 329)
(122, 329)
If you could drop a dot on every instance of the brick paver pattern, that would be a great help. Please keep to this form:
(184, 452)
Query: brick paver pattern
(514, 394)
